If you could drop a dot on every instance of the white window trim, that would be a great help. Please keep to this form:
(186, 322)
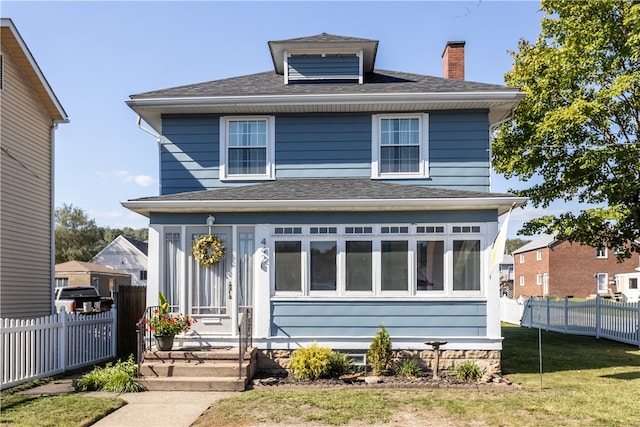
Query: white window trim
(539, 279)
(423, 164)
(376, 238)
(606, 253)
(521, 258)
(271, 150)
(538, 254)
(521, 280)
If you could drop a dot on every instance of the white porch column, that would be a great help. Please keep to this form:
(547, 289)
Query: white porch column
(262, 285)
(492, 290)
(153, 264)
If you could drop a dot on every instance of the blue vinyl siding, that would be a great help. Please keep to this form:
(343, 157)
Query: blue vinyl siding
(363, 318)
(323, 146)
(326, 146)
(327, 67)
(189, 153)
(459, 150)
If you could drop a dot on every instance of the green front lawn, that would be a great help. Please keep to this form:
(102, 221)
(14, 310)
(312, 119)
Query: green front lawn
(585, 382)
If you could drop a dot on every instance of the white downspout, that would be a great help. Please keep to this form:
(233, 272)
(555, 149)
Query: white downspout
(150, 132)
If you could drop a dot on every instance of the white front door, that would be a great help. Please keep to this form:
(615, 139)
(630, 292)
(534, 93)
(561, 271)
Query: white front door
(210, 289)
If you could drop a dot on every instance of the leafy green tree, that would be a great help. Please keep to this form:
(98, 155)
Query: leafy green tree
(77, 237)
(577, 126)
(513, 244)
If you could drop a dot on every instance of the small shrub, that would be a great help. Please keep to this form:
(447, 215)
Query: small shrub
(311, 363)
(380, 352)
(409, 368)
(118, 378)
(468, 371)
(340, 364)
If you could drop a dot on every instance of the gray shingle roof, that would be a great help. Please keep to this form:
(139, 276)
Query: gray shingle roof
(325, 189)
(139, 244)
(323, 37)
(270, 83)
(541, 242)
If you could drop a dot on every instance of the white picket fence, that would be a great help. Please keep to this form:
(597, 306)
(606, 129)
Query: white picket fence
(511, 311)
(37, 348)
(600, 318)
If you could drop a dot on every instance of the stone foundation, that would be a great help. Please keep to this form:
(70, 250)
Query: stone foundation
(274, 362)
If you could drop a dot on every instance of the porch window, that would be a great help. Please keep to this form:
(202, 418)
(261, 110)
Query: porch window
(323, 266)
(359, 264)
(466, 265)
(394, 265)
(172, 271)
(399, 146)
(430, 265)
(246, 147)
(288, 271)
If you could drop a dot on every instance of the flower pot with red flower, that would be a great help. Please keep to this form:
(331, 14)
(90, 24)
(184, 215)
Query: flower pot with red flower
(165, 326)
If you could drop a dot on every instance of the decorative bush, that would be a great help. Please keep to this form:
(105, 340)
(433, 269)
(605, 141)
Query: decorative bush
(468, 371)
(340, 364)
(118, 378)
(409, 368)
(380, 352)
(311, 363)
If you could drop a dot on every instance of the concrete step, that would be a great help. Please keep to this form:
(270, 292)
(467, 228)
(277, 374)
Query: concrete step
(193, 384)
(195, 355)
(177, 368)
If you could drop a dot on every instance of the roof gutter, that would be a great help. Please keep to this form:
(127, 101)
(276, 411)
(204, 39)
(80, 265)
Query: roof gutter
(343, 98)
(146, 207)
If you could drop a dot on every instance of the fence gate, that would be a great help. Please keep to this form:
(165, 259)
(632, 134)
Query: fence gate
(131, 303)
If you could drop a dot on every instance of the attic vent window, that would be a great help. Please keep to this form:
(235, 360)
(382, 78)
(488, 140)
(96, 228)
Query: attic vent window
(429, 229)
(287, 230)
(323, 67)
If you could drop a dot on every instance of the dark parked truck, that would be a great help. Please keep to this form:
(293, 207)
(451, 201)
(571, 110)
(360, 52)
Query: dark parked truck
(84, 299)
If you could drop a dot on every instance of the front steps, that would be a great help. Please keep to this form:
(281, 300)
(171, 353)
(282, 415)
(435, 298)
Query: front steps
(201, 369)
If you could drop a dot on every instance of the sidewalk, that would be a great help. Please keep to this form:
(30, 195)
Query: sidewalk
(148, 408)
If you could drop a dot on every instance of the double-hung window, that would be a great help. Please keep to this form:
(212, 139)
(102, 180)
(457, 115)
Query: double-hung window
(247, 148)
(399, 146)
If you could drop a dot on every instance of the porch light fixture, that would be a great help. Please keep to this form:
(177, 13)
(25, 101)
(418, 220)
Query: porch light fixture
(210, 220)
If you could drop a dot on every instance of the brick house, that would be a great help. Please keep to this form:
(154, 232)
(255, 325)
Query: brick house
(547, 266)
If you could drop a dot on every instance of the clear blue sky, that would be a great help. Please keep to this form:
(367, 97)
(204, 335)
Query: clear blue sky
(95, 54)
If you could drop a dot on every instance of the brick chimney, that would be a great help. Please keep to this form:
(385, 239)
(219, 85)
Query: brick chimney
(453, 61)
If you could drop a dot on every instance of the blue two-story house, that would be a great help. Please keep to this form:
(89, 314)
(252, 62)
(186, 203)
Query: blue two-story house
(346, 197)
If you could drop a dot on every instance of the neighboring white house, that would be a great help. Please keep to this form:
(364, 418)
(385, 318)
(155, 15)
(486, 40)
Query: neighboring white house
(627, 284)
(128, 255)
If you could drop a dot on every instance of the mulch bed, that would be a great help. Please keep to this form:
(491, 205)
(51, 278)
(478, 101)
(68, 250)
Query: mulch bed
(266, 382)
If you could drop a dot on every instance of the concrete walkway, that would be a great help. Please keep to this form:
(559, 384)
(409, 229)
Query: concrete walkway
(148, 408)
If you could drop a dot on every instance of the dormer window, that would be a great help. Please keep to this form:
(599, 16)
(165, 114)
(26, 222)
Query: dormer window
(323, 58)
(307, 67)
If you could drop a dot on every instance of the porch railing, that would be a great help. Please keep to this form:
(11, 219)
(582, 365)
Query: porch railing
(144, 335)
(244, 336)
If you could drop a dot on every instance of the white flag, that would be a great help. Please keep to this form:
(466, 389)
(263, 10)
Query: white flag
(497, 249)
